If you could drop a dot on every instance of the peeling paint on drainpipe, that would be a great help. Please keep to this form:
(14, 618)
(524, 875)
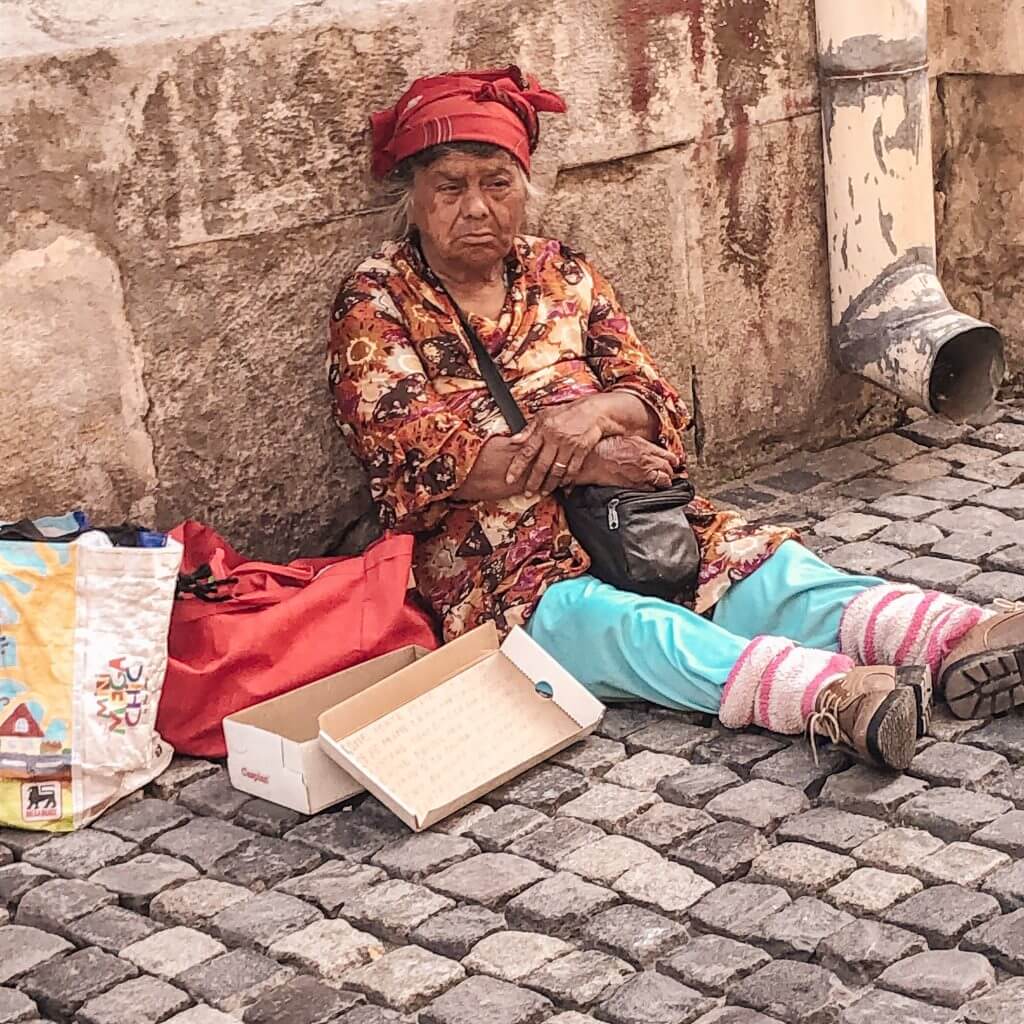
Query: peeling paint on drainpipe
(891, 321)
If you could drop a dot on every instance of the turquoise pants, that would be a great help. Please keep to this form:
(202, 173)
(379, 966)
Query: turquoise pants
(622, 646)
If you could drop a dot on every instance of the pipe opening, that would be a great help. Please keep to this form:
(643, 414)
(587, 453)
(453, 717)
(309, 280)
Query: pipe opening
(967, 373)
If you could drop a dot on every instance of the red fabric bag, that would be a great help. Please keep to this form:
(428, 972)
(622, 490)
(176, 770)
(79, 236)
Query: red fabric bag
(282, 626)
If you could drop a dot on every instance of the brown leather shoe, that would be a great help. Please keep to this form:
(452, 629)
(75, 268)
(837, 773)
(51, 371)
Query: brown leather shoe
(872, 714)
(983, 675)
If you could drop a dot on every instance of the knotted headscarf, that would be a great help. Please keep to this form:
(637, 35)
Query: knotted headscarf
(498, 106)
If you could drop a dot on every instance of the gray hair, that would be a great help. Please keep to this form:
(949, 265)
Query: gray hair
(398, 186)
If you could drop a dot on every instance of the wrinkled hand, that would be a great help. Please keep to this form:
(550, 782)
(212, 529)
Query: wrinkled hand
(629, 462)
(555, 444)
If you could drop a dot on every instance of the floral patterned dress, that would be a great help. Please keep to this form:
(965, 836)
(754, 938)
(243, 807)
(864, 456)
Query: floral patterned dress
(410, 399)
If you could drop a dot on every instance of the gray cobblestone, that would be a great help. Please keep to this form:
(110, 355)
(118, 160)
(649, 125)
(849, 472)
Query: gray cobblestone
(952, 813)
(485, 1000)
(605, 861)
(491, 879)
(645, 770)
(300, 1001)
(580, 979)
(406, 978)
(423, 853)
(651, 998)
(514, 956)
(262, 862)
(231, 982)
(329, 948)
(634, 934)
(544, 788)
(665, 887)
(61, 987)
(866, 557)
(172, 952)
(861, 950)
(24, 949)
(947, 977)
(932, 573)
(213, 795)
(943, 914)
(793, 991)
(137, 881)
(591, 756)
(262, 920)
(54, 904)
(332, 885)
(508, 824)
(453, 933)
(663, 826)
(713, 963)
(696, 785)
(111, 929)
(834, 829)
(553, 842)
(674, 736)
(738, 909)
(141, 821)
(962, 863)
(864, 790)
(80, 854)
(140, 1000)
(202, 841)
(394, 908)
(796, 930)
(268, 819)
(195, 903)
(607, 806)
(760, 804)
(723, 852)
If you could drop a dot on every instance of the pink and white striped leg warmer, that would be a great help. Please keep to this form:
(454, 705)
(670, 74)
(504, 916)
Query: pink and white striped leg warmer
(897, 624)
(775, 684)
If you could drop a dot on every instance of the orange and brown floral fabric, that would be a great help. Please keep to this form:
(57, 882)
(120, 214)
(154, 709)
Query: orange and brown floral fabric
(410, 399)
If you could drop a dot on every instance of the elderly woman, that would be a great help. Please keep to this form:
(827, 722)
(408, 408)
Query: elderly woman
(773, 636)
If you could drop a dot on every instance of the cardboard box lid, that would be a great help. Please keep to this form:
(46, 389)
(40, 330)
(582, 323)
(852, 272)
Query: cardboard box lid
(457, 723)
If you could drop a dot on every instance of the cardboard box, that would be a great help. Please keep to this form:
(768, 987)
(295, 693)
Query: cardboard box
(456, 724)
(273, 749)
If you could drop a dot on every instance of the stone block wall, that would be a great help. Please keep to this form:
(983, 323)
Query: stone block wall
(183, 188)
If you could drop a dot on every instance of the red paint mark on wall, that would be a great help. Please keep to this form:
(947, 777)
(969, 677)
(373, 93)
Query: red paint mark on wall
(637, 18)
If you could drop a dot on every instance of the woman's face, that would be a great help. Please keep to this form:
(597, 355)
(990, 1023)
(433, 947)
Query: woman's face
(469, 208)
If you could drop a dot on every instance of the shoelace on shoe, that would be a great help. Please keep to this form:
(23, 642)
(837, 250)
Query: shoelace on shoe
(825, 721)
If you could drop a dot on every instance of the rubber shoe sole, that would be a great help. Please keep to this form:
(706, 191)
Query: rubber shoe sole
(891, 739)
(985, 685)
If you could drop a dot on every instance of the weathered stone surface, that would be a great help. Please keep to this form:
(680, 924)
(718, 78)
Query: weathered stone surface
(1001, 940)
(141, 821)
(300, 1001)
(952, 813)
(202, 842)
(963, 863)
(137, 881)
(172, 952)
(800, 868)
(559, 905)
(796, 930)
(485, 1000)
(638, 936)
(834, 829)
(60, 987)
(651, 998)
(580, 979)
(514, 956)
(24, 949)
(947, 977)
(544, 788)
(663, 826)
(607, 806)
(861, 950)
(553, 842)
(142, 1000)
(932, 573)
(591, 756)
(865, 790)
(738, 909)
(195, 903)
(870, 891)
(111, 929)
(490, 878)
(758, 803)
(330, 948)
(262, 920)
(943, 913)
(793, 991)
(713, 963)
(332, 885)
(55, 904)
(213, 795)
(645, 770)
(499, 830)
(80, 854)
(723, 852)
(453, 933)
(406, 978)
(866, 557)
(696, 785)
(262, 862)
(234, 980)
(609, 858)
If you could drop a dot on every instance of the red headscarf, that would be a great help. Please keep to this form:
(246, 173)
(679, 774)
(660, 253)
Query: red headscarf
(497, 106)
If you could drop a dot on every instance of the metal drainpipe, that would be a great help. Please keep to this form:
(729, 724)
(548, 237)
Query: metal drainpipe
(891, 321)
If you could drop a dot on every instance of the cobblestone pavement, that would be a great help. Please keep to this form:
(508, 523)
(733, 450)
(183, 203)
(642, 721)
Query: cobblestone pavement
(664, 871)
